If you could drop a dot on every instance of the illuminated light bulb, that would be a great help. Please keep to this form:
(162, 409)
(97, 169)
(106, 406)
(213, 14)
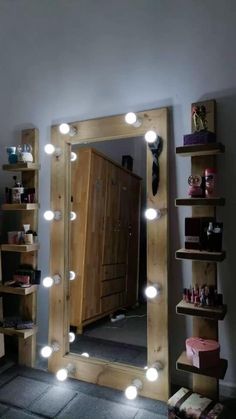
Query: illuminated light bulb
(73, 216)
(52, 215)
(131, 391)
(152, 373)
(152, 214)
(71, 337)
(49, 281)
(49, 148)
(132, 119)
(150, 136)
(85, 354)
(62, 374)
(46, 351)
(73, 156)
(64, 128)
(152, 291)
(67, 129)
(48, 215)
(72, 275)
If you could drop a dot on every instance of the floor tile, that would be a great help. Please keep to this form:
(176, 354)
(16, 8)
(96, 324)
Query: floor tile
(52, 402)
(21, 391)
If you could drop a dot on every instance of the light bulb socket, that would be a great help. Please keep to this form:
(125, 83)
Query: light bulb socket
(158, 365)
(70, 369)
(57, 152)
(73, 131)
(55, 346)
(56, 279)
(137, 123)
(57, 215)
(137, 383)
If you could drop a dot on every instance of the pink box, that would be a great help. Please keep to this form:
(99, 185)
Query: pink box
(205, 353)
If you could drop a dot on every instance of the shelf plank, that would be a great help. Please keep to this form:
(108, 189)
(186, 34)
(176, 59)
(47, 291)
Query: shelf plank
(20, 247)
(200, 255)
(189, 309)
(20, 207)
(185, 364)
(24, 333)
(21, 167)
(18, 290)
(200, 149)
(216, 201)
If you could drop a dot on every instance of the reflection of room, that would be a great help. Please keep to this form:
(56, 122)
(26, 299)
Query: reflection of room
(107, 307)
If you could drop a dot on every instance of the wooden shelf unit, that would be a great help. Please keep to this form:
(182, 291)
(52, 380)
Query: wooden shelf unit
(200, 150)
(21, 248)
(200, 255)
(4, 289)
(20, 207)
(185, 364)
(204, 266)
(21, 333)
(189, 309)
(199, 202)
(28, 252)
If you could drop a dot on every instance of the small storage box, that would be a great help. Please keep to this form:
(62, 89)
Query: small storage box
(204, 353)
(188, 405)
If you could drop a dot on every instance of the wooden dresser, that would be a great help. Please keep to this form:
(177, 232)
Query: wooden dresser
(104, 248)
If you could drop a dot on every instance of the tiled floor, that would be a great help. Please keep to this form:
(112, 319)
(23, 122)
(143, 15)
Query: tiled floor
(29, 393)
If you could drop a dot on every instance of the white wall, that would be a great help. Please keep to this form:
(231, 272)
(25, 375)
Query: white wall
(76, 59)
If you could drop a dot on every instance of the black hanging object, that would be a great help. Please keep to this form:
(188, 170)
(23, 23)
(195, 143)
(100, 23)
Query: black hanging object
(156, 149)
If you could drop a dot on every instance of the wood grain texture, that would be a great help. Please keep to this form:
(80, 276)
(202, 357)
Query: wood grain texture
(200, 150)
(189, 309)
(218, 371)
(199, 202)
(92, 370)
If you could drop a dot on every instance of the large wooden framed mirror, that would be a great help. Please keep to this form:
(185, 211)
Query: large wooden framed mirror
(108, 250)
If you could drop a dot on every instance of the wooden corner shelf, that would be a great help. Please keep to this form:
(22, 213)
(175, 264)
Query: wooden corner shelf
(18, 167)
(20, 207)
(20, 247)
(185, 364)
(18, 290)
(200, 255)
(189, 309)
(23, 333)
(200, 149)
(198, 202)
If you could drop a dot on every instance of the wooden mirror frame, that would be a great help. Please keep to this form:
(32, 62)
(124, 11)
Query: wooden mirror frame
(102, 372)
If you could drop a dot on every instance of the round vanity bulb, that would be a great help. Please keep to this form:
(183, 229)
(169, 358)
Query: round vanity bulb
(131, 392)
(46, 351)
(150, 136)
(49, 148)
(152, 214)
(64, 128)
(71, 337)
(62, 374)
(48, 215)
(72, 216)
(73, 156)
(152, 374)
(48, 282)
(85, 354)
(130, 118)
(151, 291)
(72, 275)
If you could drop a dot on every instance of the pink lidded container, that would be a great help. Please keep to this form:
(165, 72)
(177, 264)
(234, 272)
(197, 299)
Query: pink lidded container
(210, 182)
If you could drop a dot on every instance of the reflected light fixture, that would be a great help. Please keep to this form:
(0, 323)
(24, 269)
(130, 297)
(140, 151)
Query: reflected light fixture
(73, 156)
(152, 373)
(152, 214)
(62, 374)
(85, 354)
(150, 136)
(152, 291)
(67, 129)
(51, 149)
(72, 275)
(52, 215)
(131, 391)
(49, 281)
(73, 216)
(47, 350)
(132, 119)
(71, 337)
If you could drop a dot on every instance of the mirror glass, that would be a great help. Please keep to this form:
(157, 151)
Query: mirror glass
(108, 251)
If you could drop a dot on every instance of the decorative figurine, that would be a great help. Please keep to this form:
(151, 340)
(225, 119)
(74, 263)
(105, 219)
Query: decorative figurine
(199, 117)
(195, 183)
